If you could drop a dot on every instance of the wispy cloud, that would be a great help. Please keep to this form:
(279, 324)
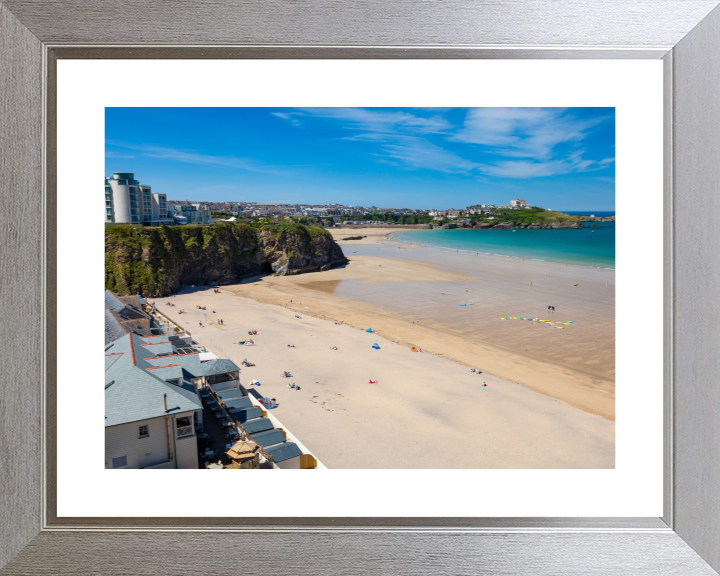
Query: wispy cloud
(548, 140)
(525, 132)
(529, 169)
(417, 153)
(192, 157)
(381, 121)
(523, 142)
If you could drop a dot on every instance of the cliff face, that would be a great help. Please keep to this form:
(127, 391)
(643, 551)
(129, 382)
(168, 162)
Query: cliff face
(159, 261)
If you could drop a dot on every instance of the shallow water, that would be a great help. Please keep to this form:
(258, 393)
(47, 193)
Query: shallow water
(590, 246)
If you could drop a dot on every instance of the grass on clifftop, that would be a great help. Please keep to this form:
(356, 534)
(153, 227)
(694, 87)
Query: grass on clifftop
(533, 216)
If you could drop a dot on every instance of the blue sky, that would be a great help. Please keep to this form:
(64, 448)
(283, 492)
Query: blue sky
(559, 158)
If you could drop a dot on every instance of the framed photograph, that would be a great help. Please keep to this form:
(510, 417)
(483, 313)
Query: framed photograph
(374, 250)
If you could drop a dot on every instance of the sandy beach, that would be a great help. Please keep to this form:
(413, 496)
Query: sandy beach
(549, 399)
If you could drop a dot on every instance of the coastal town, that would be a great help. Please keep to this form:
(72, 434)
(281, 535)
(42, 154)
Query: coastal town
(129, 202)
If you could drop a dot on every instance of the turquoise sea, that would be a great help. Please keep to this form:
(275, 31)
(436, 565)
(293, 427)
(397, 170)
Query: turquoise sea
(590, 246)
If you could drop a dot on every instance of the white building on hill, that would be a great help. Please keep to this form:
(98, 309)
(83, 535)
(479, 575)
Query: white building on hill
(128, 202)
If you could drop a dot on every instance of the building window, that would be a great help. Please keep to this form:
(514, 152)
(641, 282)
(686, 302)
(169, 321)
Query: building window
(218, 378)
(120, 462)
(144, 432)
(109, 210)
(184, 426)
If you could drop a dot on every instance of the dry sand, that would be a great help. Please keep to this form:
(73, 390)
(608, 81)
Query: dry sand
(428, 410)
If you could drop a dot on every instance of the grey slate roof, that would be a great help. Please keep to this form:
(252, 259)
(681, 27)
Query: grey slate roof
(110, 360)
(258, 425)
(113, 329)
(237, 403)
(283, 452)
(269, 438)
(133, 393)
(230, 393)
(245, 414)
(162, 347)
(112, 302)
(219, 366)
(169, 372)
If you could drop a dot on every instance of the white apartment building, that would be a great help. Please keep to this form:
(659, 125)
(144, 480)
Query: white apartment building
(128, 202)
(518, 204)
(189, 212)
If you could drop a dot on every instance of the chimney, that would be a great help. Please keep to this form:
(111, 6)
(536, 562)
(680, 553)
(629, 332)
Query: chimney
(165, 395)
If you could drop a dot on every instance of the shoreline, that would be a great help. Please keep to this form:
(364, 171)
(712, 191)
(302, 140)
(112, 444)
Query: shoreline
(390, 237)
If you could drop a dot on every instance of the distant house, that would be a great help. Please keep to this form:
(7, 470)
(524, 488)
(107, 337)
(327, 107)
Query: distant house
(519, 204)
(190, 213)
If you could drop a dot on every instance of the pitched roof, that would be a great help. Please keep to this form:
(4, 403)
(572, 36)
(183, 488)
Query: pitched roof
(230, 393)
(220, 366)
(269, 438)
(284, 451)
(238, 403)
(258, 425)
(245, 414)
(133, 393)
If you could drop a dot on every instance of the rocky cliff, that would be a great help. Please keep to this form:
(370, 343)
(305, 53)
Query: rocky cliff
(159, 261)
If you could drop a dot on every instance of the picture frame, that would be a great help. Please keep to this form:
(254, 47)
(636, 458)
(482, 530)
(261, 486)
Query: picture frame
(34, 36)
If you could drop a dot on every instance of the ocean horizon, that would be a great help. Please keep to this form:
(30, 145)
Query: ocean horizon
(592, 246)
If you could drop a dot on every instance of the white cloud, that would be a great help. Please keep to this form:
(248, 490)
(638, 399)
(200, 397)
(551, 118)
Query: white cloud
(419, 153)
(382, 121)
(532, 169)
(525, 132)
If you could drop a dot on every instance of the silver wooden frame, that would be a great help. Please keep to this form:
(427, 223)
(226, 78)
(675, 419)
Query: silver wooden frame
(34, 35)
